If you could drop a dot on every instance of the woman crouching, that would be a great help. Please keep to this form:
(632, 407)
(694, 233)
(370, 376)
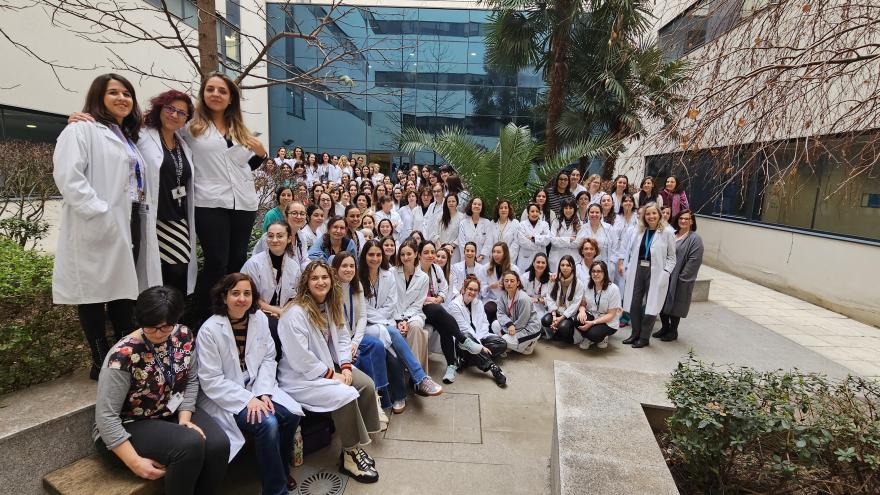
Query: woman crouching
(316, 369)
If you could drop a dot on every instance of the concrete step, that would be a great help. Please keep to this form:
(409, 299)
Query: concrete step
(94, 475)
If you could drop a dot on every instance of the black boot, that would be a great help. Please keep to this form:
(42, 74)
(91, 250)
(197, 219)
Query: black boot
(660, 333)
(500, 379)
(633, 337)
(670, 336)
(99, 349)
(641, 343)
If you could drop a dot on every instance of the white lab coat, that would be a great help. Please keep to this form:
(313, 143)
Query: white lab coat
(305, 358)
(381, 307)
(535, 288)
(529, 248)
(223, 178)
(605, 236)
(260, 269)
(508, 233)
(411, 299)
(489, 278)
(479, 233)
(438, 286)
(458, 272)
(464, 317)
(561, 243)
(300, 252)
(431, 220)
(561, 303)
(393, 216)
(224, 388)
(662, 263)
(625, 232)
(153, 151)
(93, 262)
(449, 235)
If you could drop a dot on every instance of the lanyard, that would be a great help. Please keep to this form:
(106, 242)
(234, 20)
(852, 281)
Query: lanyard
(597, 296)
(649, 239)
(168, 373)
(350, 308)
(510, 306)
(471, 315)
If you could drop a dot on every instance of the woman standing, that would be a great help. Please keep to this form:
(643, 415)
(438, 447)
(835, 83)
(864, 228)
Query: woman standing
(474, 228)
(410, 214)
(647, 193)
(435, 314)
(504, 228)
(312, 174)
(545, 213)
(582, 200)
(170, 166)
(102, 178)
(564, 232)
(146, 411)
(604, 234)
(225, 154)
(467, 266)
(628, 222)
(283, 196)
(689, 258)
(353, 222)
(386, 211)
(674, 196)
(574, 182)
(534, 235)
(621, 187)
(598, 315)
(380, 293)
(558, 193)
(237, 364)
(333, 242)
(367, 351)
(316, 370)
(481, 346)
(314, 228)
(516, 321)
(562, 302)
(594, 187)
(651, 260)
(447, 229)
(412, 288)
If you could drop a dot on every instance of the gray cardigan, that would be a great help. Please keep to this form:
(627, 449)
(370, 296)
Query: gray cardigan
(688, 258)
(523, 315)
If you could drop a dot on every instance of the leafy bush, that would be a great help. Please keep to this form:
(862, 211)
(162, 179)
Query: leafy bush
(739, 430)
(39, 341)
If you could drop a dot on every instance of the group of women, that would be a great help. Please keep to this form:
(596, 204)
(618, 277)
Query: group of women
(335, 308)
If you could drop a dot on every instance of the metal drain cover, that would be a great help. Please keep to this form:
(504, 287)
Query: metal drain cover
(322, 483)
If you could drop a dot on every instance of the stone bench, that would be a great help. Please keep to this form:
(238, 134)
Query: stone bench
(603, 440)
(701, 290)
(94, 475)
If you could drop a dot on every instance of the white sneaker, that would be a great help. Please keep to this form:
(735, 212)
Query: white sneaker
(585, 344)
(530, 347)
(449, 376)
(398, 406)
(356, 466)
(603, 344)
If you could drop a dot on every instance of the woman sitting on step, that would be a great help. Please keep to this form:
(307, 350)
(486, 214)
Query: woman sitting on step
(146, 407)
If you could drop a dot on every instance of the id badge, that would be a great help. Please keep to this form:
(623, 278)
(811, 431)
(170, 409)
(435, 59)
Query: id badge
(178, 192)
(644, 263)
(176, 400)
(143, 208)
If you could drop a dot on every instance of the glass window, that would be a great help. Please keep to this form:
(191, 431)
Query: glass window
(23, 124)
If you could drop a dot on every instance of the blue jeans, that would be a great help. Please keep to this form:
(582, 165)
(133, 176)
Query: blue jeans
(273, 442)
(405, 360)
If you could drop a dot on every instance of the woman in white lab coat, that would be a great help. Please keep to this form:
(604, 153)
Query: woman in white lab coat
(492, 288)
(316, 370)
(474, 228)
(170, 168)
(481, 346)
(225, 154)
(504, 228)
(237, 384)
(651, 260)
(604, 234)
(563, 300)
(412, 288)
(564, 232)
(534, 235)
(447, 228)
(381, 295)
(467, 266)
(100, 264)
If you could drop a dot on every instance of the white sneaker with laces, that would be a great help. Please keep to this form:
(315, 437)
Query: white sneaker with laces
(603, 344)
(585, 344)
(449, 376)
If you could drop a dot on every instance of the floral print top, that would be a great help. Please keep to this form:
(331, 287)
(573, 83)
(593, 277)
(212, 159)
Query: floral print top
(148, 363)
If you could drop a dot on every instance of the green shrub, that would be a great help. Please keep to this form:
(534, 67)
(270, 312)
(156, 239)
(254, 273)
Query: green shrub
(39, 341)
(738, 430)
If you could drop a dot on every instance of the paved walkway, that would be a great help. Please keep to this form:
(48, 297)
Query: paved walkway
(845, 341)
(477, 438)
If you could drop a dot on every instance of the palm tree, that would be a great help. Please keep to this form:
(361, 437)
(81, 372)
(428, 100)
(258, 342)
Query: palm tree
(523, 33)
(618, 81)
(507, 170)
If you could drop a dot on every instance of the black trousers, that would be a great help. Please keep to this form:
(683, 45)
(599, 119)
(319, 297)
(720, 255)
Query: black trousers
(597, 333)
(670, 322)
(175, 276)
(491, 309)
(193, 465)
(446, 326)
(496, 345)
(92, 319)
(564, 330)
(224, 235)
(641, 323)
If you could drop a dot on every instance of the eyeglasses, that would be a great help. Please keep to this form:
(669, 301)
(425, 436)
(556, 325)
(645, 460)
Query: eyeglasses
(596, 271)
(272, 237)
(167, 327)
(175, 112)
(296, 213)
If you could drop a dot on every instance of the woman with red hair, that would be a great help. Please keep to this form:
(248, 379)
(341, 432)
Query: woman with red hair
(169, 164)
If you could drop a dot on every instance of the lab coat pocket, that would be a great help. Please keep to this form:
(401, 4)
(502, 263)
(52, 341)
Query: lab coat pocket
(97, 227)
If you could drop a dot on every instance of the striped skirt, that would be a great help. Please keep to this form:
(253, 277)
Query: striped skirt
(174, 242)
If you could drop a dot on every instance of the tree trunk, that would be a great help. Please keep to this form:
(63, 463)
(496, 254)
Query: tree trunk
(608, 167)
(559, 41)
(208, 48)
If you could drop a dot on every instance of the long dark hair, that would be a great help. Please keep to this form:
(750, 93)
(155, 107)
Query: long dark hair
(447, 216)
(574, 223)
(644, 199)
(558, 282)
(94, 105)
(545, 277)
(355, 283)
(327, 244)
(364, 273)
